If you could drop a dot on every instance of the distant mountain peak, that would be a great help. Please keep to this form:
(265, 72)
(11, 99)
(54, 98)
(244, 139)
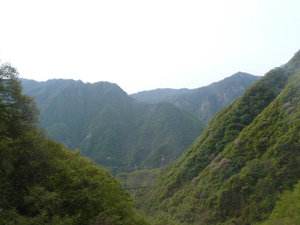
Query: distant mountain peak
(203, 102)
(245, 158)
(110, 127)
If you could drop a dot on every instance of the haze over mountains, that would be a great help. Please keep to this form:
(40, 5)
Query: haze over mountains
(202, 102)
(243, 169)
(43, 182)
(247, 156)
(110, 127)
(120, 133)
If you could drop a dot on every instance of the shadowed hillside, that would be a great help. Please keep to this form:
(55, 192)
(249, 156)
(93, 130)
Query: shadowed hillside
(246, 157)
(43, 182)
(110, 127)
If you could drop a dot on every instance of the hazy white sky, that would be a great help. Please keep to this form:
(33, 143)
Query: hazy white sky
(147, 44)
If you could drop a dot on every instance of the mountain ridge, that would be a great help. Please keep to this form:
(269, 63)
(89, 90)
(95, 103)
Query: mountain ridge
(247, 155)
(202, 102)
(137, 136)
(43, 182)
(109, 126)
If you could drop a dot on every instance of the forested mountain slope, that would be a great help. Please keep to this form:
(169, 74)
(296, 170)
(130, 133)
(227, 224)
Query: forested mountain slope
(43, 182)
(202, 102)
(249, 153)
(287, 208)
(110, 127)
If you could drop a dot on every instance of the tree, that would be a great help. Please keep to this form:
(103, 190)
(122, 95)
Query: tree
(41, 181)
(17, 111)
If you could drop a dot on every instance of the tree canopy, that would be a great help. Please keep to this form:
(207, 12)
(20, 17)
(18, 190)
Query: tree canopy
(43, 182)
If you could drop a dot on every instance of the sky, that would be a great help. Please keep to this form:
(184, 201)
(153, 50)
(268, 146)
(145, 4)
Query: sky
(143, 45)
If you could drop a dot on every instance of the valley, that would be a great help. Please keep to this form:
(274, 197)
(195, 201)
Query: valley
(120, 133)
(190, 165)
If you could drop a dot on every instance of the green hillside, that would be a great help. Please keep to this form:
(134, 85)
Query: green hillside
(110, 127)
(41, 181)
(287, 209)
(249, 153)
(203, 102)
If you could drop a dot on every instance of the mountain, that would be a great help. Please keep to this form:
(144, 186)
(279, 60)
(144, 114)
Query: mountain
(236, 171)
(110, 127)
(43, 182)
(287, 208)
(202, 102)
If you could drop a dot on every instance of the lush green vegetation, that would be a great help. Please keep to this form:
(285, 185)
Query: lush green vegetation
(42, 182)
(139, 178)
(287, 209)
(235, 172)
(202, 102)
(110, 127)
(243, 169)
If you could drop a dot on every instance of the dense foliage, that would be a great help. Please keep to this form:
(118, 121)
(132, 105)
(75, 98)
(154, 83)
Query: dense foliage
(287, 209)
(110, 127)
(247, 156)
(42, 182)
(139, 178)
(202, 102)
